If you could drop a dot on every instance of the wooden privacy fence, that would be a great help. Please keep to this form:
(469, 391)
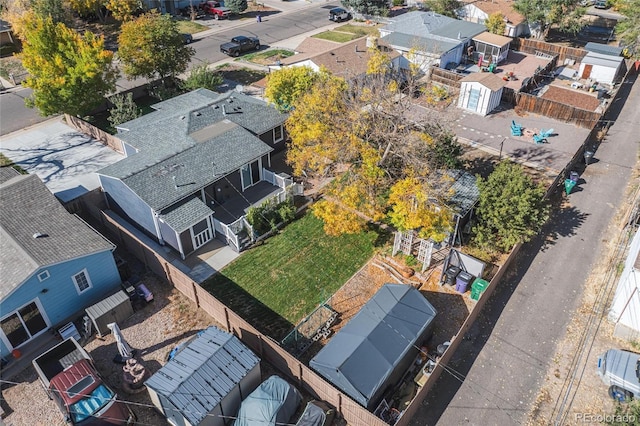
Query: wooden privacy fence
(98, 134)
(268, 349)
(532, 46)
(446, 77)
(556, 110)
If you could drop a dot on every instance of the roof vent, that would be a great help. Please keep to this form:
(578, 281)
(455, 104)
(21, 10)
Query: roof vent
(197, 114)
(182, 117)
(39, 235)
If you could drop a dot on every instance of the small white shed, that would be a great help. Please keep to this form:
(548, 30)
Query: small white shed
(206, 381)
(480, 92)
(600, 67)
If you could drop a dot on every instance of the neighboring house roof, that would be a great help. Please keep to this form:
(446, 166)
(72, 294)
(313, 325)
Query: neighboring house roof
(29, 209)
(505, 7)
(429, 31)
(492, 39)
(347, 59)
(571, 97)
(487, 79)
(362, 356)
(7, 173)
(315, 45)
(209, 367)
(602, 60)
(603, 49)
(192, 142)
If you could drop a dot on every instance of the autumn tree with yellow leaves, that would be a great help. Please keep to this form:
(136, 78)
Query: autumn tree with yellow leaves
(359, 134)
(69, 72)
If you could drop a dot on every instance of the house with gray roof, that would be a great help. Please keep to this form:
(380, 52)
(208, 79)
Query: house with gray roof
(194, 166)
(434, 39)
(53, 265)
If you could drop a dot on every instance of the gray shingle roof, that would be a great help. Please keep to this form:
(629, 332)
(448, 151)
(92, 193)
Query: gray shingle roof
(201, 375)
(28, 208)
(7, 173)
(425, 44)
(183, 216)
(186, 137)
(441, 30)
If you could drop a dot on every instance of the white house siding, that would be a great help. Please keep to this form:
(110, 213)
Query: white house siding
(169, 236)
(454, 55)
(488, 100)
(129, 204)
(625, 307)
(604, 67)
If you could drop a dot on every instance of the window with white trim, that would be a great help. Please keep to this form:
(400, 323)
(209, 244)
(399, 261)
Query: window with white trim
(82, 281)
(278, 134)
(43, 275)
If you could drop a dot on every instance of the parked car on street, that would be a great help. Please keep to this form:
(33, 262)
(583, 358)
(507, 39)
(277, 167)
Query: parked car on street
(621, 371)
(240, 44)
(601, 4)
(188, 38)
(339, 14)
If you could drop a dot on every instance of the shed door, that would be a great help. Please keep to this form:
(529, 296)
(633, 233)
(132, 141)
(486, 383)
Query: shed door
(474, 97)
(586, 72)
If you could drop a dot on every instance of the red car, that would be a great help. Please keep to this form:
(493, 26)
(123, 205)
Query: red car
(216, 9)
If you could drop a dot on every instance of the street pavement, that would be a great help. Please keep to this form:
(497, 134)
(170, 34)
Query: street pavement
(502, 362)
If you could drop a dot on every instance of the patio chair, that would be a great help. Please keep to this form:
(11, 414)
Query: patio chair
(516, 129)
(546, 133)
(539, 139)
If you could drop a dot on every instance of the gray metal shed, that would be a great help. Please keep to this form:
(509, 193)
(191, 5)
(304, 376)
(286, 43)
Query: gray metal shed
(115, 308)
(206, 381)
(375, 348)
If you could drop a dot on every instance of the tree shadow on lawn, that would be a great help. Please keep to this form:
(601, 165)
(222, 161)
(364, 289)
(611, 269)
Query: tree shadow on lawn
(256, 313)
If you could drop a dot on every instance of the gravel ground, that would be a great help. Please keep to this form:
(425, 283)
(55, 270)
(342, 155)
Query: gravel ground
(153, 331)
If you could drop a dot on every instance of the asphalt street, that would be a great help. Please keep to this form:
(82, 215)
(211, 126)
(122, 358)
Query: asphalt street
(299, 17)
(500, 366)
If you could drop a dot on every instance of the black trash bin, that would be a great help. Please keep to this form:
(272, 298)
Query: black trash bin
(450, 274)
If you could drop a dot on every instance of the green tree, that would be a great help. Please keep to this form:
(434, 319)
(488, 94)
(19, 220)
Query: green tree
(566, 15)
(286, 85)
(123, 10)
(236, 6)
(86, 8)
(511, 208)
(368, 7)
(151, 46)
(124, 109)
(444, 7)
(628, 29)
(202, 77)
(495, 23)
(68, 72)
(54, 8)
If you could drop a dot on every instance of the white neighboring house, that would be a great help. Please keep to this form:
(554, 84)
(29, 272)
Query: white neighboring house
(480, 92)
(433, 39)
(480, 10)
(625, 307)
(601, 67)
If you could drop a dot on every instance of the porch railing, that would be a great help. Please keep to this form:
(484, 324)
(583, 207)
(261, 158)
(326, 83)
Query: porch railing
(276, 179)
(226, 230)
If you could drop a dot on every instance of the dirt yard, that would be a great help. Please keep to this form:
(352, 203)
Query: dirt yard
(153, 330)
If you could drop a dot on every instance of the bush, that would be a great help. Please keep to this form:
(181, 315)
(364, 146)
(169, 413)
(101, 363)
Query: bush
(266, 217)
(202, 77)
(398, 2)
(124, 109)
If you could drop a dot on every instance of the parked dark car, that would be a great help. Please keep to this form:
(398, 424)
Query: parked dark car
(188, 38)
(339, 14)
(240, 44)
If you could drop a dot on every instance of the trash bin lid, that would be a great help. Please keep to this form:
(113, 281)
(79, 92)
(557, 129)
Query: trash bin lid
(465, 276)
(452, 270)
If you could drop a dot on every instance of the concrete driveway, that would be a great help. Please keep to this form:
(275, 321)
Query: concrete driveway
(65, 159)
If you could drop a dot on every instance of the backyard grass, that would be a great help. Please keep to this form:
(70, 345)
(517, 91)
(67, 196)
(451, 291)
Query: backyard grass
(290, 274)
(190, 27)
(241, 75)
(336, 36)
(267, 57)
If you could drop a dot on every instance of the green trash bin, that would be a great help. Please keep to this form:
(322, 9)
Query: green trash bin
(478, 287)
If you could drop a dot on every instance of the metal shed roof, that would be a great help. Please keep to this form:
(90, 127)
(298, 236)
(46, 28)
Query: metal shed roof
(604, 49)
(201, 375)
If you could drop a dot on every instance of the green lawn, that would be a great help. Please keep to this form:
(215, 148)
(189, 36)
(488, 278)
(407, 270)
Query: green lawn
(291, 273)
(190, 27)
(358, 30)
(267, 57)
(336, 36)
